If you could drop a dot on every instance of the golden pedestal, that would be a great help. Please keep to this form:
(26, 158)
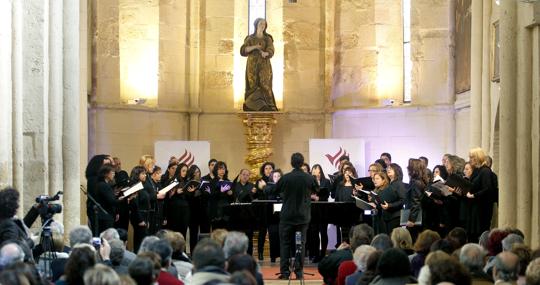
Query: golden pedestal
(258, 127)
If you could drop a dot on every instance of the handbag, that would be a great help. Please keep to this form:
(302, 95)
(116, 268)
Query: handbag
(404, 217)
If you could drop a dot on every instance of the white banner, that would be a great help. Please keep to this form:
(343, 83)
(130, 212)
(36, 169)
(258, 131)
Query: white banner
(327, 152)
(188, 152)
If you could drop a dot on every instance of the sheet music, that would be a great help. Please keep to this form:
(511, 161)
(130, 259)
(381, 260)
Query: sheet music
(168, 188)
(277, 207)
(134, 189)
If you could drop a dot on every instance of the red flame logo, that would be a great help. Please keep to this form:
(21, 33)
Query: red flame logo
(334, 159)
(188, 158)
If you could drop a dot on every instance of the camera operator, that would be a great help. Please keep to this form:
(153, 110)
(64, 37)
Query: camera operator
(12, 228)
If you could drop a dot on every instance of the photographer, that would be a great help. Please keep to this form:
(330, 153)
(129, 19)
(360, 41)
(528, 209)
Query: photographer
(12, 228)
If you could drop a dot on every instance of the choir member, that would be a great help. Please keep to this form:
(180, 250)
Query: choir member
(480, 196)
(386, 157)
(273, 223)
(344, 192)
(220, 195)
(169, 175)
(381, 182)
(338, 175)
(439, 173)
(374, 168)
(198, 207)
(418, 181)
(305, 168)
(156, 219)
(455, 208)
(139, 207)
(149, 165)
(177, 203)
(211, 164)
(315, 230)
(245, 192)
(265, 171)
(91, 174)
(393, 198)
(106, 198)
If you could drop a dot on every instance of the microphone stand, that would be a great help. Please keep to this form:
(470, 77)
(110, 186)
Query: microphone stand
(97, 207)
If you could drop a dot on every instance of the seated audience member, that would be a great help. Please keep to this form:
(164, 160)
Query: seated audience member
(329, 266)
(382, 242)
(164, 250)
(510, 240)
(146, 242)
(117, 257)
(101, 275)
(393, 268)
(56, 252)
(449, 271)
(142, 271)
(13, 278)
(483, 240)
(240, 262)
(180, 260)
(12, 228)
(532, 274)
(110, 234)
(82, 258)
(27, 270)
(424, 277)
(208, 263)
(523, 253)
(78, 235)
(242, 277)
(446, 245)
(10, 253)
(235, 243)
(472, 256)
(401, 238)
(494, 247)
(219, 235)
(421, 248)
(360, 257)
(458, 235)
(371, 268)
(505, 268)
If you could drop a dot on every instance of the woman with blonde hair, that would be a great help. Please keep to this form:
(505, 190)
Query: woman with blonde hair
(401, 238)
(382, 183)
(481, 196)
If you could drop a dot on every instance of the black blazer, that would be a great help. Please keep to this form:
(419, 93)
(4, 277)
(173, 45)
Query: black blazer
(295, 189)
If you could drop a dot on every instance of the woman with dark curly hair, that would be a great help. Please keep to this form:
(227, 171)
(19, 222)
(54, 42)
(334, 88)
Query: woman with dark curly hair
(91, 174)
(265, 171)
(10, 228)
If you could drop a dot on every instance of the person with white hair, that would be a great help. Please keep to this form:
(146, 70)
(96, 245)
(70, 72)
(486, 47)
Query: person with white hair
(10, 253)
(235, 243)
(472, 256)
(360, 258)
(510, 240)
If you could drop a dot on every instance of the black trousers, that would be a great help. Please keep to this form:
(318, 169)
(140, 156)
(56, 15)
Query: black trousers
(314, 241)
(287, 245)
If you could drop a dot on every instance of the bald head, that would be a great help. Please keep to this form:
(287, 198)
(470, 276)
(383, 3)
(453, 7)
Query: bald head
(506, 267)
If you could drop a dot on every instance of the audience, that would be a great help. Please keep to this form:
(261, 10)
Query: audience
(421, 248)
(117, 257)
(208, 263)
(533, 272)
(449, 270)
(393, 268)
(235, 243)
(82, 257)
(472, 256)
(360, 257)
(142, 271)
(505, 268)
(164, 250)
(101, 275)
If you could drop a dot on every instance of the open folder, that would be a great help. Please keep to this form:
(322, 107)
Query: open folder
(168, 188)
(134, 189)
(364, 205)
(366, 182)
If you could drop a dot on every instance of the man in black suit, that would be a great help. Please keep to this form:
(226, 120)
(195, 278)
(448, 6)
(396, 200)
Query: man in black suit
(295, 188)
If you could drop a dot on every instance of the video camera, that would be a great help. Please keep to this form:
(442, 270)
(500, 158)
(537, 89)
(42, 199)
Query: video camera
(47, 210)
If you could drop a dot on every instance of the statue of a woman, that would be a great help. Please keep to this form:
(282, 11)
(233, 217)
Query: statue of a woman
(259, 48)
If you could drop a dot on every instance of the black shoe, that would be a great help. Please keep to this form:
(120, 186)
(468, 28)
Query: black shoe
(283, 276)
(261, 257)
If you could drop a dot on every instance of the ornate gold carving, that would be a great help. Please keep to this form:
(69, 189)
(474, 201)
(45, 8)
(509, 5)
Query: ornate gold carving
(258, 130)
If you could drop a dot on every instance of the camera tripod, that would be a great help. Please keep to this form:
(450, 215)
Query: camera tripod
(296, 265)
(47, 245)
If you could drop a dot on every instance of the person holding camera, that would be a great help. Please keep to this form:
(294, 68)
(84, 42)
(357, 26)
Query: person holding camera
(295, 189)
(12, 228)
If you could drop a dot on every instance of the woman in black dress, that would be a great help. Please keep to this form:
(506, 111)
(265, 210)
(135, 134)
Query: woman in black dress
(315, 230)
(91, 174)
(393, 197)
(106, 198)
(139, 207)
(273, 223)
(198, 204)
(418, 181)
(221, 195)
(264, 172)
(177, 203)
(344, 192)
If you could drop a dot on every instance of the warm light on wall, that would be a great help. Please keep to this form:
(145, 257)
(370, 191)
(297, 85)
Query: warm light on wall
(139, 50)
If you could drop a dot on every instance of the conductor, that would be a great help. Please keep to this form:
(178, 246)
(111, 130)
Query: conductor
(295, 188)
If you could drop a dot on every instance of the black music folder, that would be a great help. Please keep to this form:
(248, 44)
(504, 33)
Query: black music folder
(458, 181)
(364, 205)
(366, 182)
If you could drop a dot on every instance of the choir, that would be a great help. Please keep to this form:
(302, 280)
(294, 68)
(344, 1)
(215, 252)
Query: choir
(455, 193)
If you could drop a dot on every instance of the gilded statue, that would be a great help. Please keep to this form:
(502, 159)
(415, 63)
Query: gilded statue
(259, 48)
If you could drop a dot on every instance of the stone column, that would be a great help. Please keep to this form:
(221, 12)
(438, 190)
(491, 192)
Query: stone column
(70, 138)
(486, 77)
(523, 119)
(535, 139)
(193, 61)
(329, 62)
(6, 160)
(476, 74)
(17, 98)
(55, 109)
(507, 117)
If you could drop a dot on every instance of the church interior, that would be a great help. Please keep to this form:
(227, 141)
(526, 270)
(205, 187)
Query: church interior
(409, 77)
